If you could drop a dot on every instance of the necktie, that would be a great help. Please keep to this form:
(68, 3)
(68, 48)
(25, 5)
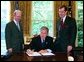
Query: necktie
(61, 22)
(43, 43)
(18, 26)
(43, 40)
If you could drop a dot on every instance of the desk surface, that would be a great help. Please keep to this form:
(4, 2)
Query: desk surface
(25, 57)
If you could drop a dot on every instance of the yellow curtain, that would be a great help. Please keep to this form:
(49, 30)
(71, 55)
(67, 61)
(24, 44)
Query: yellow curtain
(73, 6)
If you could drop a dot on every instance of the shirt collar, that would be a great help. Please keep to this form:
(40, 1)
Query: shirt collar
(64, 18)
(15, 21)
(42, 40)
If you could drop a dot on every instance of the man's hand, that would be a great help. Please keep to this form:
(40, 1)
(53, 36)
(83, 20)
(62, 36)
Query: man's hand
(69, 48)
(43, 51)
(10, 49)
(23, 46)
(30, 51)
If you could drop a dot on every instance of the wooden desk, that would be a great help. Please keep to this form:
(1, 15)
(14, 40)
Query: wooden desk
(25, 57)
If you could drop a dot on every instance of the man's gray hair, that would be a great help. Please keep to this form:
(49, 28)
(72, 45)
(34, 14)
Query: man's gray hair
(16, 11)
(45, 28)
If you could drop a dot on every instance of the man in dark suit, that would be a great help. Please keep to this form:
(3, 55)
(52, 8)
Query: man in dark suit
(66, 32)
(42, 43)
(14, 34)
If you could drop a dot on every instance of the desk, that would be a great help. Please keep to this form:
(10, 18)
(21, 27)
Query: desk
(25, 57)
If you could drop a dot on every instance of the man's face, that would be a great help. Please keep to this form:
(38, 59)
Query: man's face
(43, 33)
(17, 16)
(62, 12)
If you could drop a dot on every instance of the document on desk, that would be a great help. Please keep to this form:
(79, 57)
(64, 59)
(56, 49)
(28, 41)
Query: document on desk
(44, 54)
(34, 54)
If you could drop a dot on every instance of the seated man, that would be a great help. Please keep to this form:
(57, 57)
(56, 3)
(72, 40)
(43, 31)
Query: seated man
(42, 43)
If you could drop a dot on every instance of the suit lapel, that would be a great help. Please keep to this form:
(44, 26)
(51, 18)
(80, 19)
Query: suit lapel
(16, 26)
(20, 27)
(46, 40)
(59, 24)
(65, 22)
(39, 41)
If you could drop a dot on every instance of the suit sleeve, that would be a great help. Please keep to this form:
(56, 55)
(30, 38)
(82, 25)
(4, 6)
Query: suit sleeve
(51, 44)
(56, 28)
(32, 43)
(8, 36)
(22, 33)
(22, 37)
(73, 33)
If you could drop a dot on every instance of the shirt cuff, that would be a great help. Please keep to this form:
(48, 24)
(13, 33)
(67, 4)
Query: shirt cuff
(49, 50)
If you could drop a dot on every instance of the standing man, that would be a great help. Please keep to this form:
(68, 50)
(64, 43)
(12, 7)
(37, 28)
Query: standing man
(14, 34)
(66, 32)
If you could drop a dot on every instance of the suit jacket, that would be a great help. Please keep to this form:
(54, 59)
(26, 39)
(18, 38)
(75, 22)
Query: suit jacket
(36, 43)
(66, 35)
(14, 37)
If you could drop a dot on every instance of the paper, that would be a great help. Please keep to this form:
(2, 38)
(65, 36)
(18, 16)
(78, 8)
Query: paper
(34, 54)
(44, 54)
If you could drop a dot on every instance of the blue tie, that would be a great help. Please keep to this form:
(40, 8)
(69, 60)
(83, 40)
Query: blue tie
(43, 43)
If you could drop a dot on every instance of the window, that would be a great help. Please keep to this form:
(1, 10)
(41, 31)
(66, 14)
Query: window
(42, 15)
(5, 17)
(79, 18)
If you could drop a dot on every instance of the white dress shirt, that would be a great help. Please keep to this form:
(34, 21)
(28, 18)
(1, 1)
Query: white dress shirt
(64, 18)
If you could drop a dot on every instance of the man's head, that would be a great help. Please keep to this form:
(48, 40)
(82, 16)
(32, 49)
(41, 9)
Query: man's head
(17, 15)
(44, 32)
(62, 11)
